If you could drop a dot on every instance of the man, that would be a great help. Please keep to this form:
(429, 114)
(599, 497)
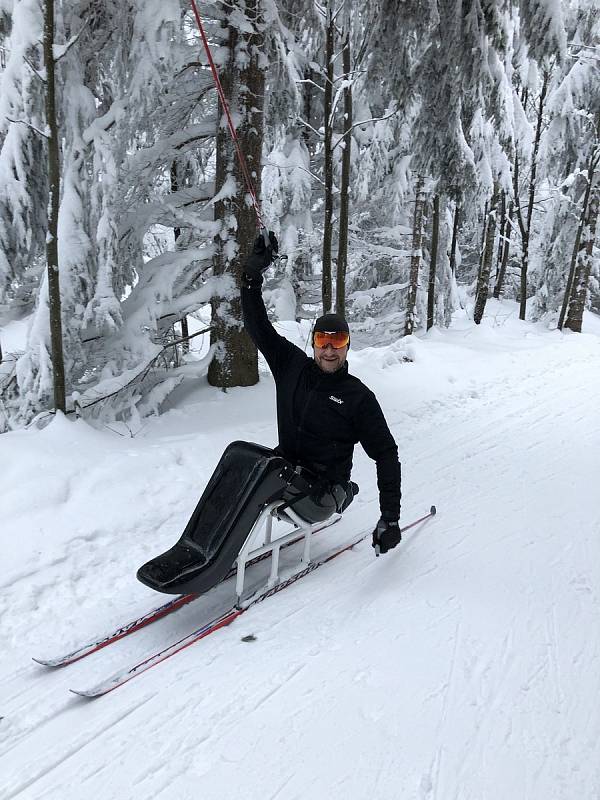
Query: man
(322, 410)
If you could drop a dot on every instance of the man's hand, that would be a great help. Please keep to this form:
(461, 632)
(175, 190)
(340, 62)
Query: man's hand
(386, 535)
(261, 255)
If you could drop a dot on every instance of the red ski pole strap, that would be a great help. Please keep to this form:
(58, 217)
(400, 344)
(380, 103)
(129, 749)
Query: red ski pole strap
(231, 126)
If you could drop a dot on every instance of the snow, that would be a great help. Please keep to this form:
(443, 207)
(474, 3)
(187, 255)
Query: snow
(464, 664)
(13, 336)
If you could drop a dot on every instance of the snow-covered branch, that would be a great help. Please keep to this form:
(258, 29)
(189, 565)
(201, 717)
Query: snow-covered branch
(294, 167)
(45, 134)
(35, 71)
(362, 122)
(310, 127)
(311, 82)
(106, 121)
(59, 51)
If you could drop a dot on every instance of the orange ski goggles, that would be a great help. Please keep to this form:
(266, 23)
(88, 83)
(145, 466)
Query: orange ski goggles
(336, 339)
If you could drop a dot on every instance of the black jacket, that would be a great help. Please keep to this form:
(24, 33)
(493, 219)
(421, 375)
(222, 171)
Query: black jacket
(321, 416)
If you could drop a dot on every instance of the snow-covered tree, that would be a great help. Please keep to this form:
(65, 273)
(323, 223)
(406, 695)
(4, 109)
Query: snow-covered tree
(23, 179)
(489, 103)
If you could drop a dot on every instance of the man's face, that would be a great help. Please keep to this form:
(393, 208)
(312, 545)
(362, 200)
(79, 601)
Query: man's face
(329, 358)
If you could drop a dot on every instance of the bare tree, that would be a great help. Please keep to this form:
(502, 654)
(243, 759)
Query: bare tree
(54, 301)
(486, 262)
(580, 244)
(525, 224)
(185, 345)
(342, 258)
(502, 229)
(435, 237)
(415, 259)
(454, 243)
(486, 212)
(326, 288)
(504, 248)
(583, 264)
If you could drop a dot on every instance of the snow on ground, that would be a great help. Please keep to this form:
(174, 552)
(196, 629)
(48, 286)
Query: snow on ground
(13, 336)
(465, 664)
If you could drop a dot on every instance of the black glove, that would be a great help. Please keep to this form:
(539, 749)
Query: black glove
(387, 535)
(261, 255)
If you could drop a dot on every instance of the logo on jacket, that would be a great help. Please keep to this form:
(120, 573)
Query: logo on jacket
(336, 399)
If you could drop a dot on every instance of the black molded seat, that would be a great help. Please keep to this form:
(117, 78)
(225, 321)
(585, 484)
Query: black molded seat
(247, 476)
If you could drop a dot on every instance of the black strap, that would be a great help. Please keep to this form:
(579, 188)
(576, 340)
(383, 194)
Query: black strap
(297, 480)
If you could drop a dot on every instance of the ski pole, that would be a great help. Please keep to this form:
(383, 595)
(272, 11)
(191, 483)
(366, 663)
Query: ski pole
(432, 513)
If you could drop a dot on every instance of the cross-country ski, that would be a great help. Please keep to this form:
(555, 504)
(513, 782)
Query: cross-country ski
(136, 624)
(226, 618)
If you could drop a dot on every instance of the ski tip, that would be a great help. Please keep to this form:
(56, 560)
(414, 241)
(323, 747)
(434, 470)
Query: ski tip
(46, 662)
(88, 694)
(433, 511)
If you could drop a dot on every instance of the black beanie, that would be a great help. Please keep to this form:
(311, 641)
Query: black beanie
(333, 323)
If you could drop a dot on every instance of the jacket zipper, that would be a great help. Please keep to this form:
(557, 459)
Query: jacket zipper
(305, 412)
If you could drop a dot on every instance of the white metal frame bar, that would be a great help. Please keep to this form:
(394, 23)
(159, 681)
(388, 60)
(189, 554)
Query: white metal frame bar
(249, 552)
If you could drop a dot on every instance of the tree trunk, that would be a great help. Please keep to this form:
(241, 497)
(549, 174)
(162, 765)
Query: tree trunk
(502, 231)
(454, 238)
(576, 247)
(326, 288)
(486, 265)
(56, 336)
(525, 226)
(435, 236)
(574, 256)
(307, 93)
(185, 346)
(505, 251)
(415, 259)
(236, 361)
(185, 332)
(483, 234)
(584, 264)
(342, 259)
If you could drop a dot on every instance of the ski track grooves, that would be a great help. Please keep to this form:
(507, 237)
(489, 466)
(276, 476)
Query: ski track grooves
(481, 625)
(280, 684)
(73, 751)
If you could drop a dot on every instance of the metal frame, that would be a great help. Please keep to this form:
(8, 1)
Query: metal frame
(301, 529)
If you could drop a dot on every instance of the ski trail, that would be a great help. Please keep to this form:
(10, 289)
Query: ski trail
(462, 666)
(8, 792)
(434, 779)
(278, 791)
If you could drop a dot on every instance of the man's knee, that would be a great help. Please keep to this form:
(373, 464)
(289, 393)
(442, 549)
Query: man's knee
(346, 495)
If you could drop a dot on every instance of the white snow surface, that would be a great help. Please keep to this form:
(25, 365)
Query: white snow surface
(463, 665)
(13, 336)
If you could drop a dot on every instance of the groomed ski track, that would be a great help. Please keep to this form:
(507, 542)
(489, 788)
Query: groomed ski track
(465, 665)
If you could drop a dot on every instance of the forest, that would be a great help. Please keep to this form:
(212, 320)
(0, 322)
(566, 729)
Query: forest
(407, 155)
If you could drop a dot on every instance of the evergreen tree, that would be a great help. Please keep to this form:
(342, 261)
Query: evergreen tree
(23, 180)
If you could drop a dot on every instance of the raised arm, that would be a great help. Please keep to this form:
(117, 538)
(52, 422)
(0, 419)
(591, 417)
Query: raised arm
(275, 348)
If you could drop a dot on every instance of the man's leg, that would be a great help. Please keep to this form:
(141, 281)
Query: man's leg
(350, 492)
